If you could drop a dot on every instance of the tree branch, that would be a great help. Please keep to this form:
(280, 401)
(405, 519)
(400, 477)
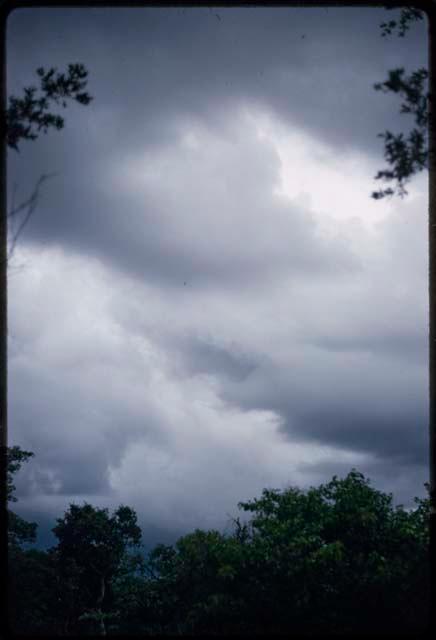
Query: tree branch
(28, 206)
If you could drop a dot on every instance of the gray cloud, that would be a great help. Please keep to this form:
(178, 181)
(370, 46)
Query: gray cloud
(360, 405)
(313, 64)
(410, 347)
(206, 357)
(218, 222)
(182, 331)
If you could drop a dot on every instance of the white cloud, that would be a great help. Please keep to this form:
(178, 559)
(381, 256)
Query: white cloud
(333, 185)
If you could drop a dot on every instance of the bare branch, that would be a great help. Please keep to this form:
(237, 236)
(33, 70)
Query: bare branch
(28, 206)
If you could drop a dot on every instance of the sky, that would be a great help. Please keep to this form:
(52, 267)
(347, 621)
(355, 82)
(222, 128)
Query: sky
(206, 300)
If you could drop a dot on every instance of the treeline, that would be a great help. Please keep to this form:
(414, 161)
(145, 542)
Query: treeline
(338, 558)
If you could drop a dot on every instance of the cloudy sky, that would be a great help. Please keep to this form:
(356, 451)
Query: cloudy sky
(206, 300)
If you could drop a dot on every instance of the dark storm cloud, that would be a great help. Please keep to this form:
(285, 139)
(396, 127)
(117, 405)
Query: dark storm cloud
(187, 215)
(150, 68)
(363, 404)
(396, 434)
(311, 64)
(404, 346)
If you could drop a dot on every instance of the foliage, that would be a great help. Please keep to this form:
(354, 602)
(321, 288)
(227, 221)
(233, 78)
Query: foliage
(29, 115)
(15, 458)
(342, 542)
(19, 530)
(92, 549)
(98, 539)
(339, 558)
(32, 594)
(406, 155)
(30, 580)
(198, 584)
(402, 25)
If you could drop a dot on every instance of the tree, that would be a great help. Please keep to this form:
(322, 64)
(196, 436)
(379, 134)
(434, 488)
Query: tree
(91, 551)
(30, 580)
(132, 599)
(24, 119)
(341, 558)
(19, 531)
(198, 585)
(30, 115)
(32, 594)
(405, 155)
(337, 558)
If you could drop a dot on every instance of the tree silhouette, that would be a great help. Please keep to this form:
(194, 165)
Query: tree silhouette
(92, 548)
(19, 531)
(406, 155)
(28, 116)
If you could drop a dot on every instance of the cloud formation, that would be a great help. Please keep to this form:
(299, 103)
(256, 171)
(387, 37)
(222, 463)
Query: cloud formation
(207, 301)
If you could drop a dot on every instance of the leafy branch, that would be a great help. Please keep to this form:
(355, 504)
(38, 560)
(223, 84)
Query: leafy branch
(407, 16)
(28, 116)
(406, 155)
(28, 206)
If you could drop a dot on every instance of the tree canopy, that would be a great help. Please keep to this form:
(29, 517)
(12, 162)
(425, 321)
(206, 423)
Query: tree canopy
(337, 558)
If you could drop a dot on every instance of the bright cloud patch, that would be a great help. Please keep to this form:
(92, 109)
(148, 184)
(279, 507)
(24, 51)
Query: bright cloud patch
(208, 211)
